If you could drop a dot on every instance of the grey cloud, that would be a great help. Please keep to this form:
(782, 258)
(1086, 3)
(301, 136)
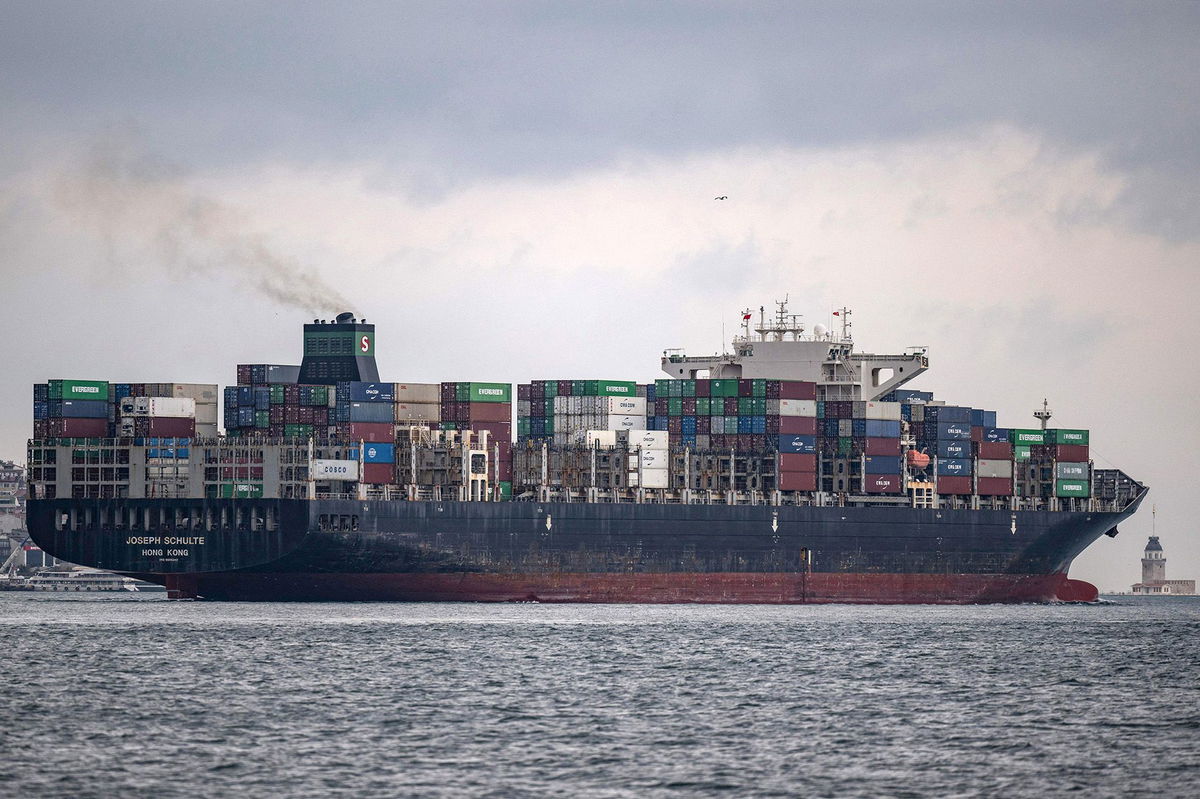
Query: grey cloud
(446, 93)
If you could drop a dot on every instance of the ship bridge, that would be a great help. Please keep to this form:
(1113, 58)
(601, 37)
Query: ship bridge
(779, 348)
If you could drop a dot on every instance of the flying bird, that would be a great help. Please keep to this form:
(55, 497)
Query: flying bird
(722, 197)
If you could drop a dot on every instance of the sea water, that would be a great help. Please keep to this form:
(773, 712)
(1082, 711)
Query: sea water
(135, 697)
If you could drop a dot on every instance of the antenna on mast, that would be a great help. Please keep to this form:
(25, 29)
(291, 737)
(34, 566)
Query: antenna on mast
(843, 313)
(1044, 414)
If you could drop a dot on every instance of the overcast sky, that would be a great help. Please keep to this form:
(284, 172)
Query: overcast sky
(525, 190)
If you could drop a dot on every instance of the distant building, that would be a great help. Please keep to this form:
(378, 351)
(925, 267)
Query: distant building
(1154, 574)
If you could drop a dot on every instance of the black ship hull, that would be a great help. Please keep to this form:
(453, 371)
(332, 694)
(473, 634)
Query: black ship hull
(575, 552)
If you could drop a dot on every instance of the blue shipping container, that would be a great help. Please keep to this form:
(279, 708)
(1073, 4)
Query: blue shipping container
(989, 418)
(948, 466)
(245, 417)
(379, 453)
(953, 430)
(995, 434)
(947, 413)
(882, 464)
(759, 425)
(41, 410)
(806, 445)
(369, 392)
(262, 398)
(245, 396)
(882, 428)
(82, 409)
(954, 449)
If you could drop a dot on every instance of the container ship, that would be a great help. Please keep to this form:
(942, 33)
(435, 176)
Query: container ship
(790, 469)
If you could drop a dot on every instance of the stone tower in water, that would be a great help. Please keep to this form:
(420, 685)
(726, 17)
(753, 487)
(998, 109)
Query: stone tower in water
(1154, 565)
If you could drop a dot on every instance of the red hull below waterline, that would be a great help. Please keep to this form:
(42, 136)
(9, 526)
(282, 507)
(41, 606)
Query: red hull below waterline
(669, 588)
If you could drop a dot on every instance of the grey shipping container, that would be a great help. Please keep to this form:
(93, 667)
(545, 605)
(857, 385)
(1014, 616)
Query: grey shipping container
(372, 412)
(1071, 471)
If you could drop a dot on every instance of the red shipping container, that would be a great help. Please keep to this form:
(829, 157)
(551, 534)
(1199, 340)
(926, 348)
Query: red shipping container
(731, 406)
(703, 425)
(524, 391)
(994, 450)
(172, 427)
(497, 431)
(796, 462)
(1071, 453)
(881, 483)
(797, 481)
(489, 411)
(995, 487)
(882, 446)
(956, 484)
(374, 432)
(40, 426)
(977, 434)
(378, 473)
(689, 406)
(797, 389)
(564, 388)
(703, 388)
(291, 414)
(796, 425)
(717, 441)
(90, 428)
(745, 388)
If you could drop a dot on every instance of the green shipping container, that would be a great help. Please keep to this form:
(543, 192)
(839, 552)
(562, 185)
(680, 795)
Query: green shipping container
(523, 426)
(488, 392)
(703, 404)
(1021, 453)
(297, 430)
(78, 389)
(262, 419)
(550, 389)
(688, 388)
(758, 388)
(745, 406)
(675, 406)
(578, 388)
(505, 489)
(549, 425)
(447, 426)
(1027, 436)
(616, 388)
(845, 445)
(662, 388)
(723, 388)
(1071, 488)
(1067, 437)
(675, 388)
(820, 409)
(277, 394)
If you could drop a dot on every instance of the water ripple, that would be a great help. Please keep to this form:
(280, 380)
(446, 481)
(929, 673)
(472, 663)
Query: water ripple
(109, 697)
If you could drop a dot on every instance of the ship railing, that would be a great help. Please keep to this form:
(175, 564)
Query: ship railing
(335, 495)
